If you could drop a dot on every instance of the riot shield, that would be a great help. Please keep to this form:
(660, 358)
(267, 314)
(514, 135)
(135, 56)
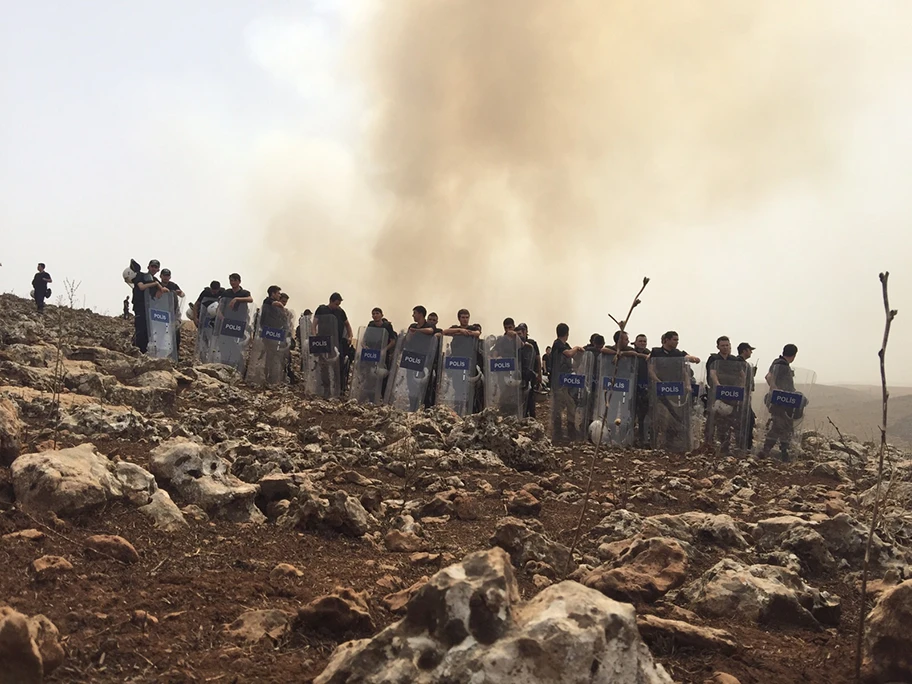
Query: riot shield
(370, 369)
(671, 404)
(728, 390)
(615, 400)
(459, 373)
(411, 371)
(570, 394)
(503, 372)
(231, 334)
(162, 324)
(205, 331)
(321, 357)
(268, 349)
(783, 413)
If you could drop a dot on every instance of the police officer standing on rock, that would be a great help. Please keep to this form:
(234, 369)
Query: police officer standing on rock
(40, 283)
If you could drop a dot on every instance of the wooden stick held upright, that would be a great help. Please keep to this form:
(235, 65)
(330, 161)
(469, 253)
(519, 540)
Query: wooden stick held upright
(890, 314)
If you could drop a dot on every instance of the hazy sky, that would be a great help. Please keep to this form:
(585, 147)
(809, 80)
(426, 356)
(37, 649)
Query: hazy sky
(526, 158)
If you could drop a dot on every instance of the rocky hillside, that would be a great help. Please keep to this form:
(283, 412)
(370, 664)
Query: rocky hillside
(163, 522)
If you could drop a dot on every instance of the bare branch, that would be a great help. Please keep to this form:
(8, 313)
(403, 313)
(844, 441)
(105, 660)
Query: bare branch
(889, 314)
(622, 325)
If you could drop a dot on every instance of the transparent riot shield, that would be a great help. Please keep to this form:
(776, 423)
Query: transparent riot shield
(231, 334)
(780, 423)
(671, 404)
(268, 349)
(615, 400)
(370, 370)
(570, 394)
(503, 372)
(728, 394)
(321, 358)
(205, 331)
(459, 373)
(411, 371)
(163, 324)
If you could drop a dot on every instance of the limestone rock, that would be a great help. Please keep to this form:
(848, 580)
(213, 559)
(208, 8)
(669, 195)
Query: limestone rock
(646, 570)
(19, 654)
(887, 639)
(164, 512)
(339, 613)
(403, 542)
(655, 629)
(113, 546)
(254, 625)
(50, 568)
(522, 503)
(10, 432)
(200, 477)
(761, 593)
(524, 545)
(468, 619)
(65, 481)
(341, 512)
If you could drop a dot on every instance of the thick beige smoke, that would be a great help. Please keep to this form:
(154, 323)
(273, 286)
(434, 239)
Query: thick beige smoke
(515, 148)
(517, 136)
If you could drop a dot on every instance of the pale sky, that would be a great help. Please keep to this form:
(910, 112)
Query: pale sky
(200, 133)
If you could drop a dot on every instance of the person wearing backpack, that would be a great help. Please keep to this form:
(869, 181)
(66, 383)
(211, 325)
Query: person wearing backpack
(40, 285)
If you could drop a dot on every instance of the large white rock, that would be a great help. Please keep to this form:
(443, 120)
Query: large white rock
(10, 431)
(199, 476)
(887, 639)
(64, 481)
(467, 624)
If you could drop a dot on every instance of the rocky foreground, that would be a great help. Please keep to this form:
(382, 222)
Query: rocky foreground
(163, 522)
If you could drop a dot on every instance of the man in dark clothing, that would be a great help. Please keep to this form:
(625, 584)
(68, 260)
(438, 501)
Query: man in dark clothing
(430, 395)
(141, 283)
(530, 366)
(724, 420)
(386, 354)
(40, 284)
(673, 414)
(745, 351)
(564, 398)
(782, 418)
(235, 294)
(344, 334)
(641, 347)
(420, 326)
(209, 295)
(466, 345)
(546, 367)
(272, 333)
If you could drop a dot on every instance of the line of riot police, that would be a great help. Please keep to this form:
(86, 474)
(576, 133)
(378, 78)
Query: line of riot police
(613, 394)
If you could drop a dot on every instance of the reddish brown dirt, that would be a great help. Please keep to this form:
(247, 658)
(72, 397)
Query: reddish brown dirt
(197, 582)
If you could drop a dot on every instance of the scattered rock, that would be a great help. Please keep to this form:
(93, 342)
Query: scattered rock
(49, 568)
(284, 571)
(31, 535)
(10, 432)
(524, 545)
(254, 625)
(342, 612)
(29, 647)
(403, 542)
(396, 602)
(200, 477)
(468, 618)
(113, 546)
(522, 503)
(887, 639)
(646, 570)
(655, 629)
(760, 593)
